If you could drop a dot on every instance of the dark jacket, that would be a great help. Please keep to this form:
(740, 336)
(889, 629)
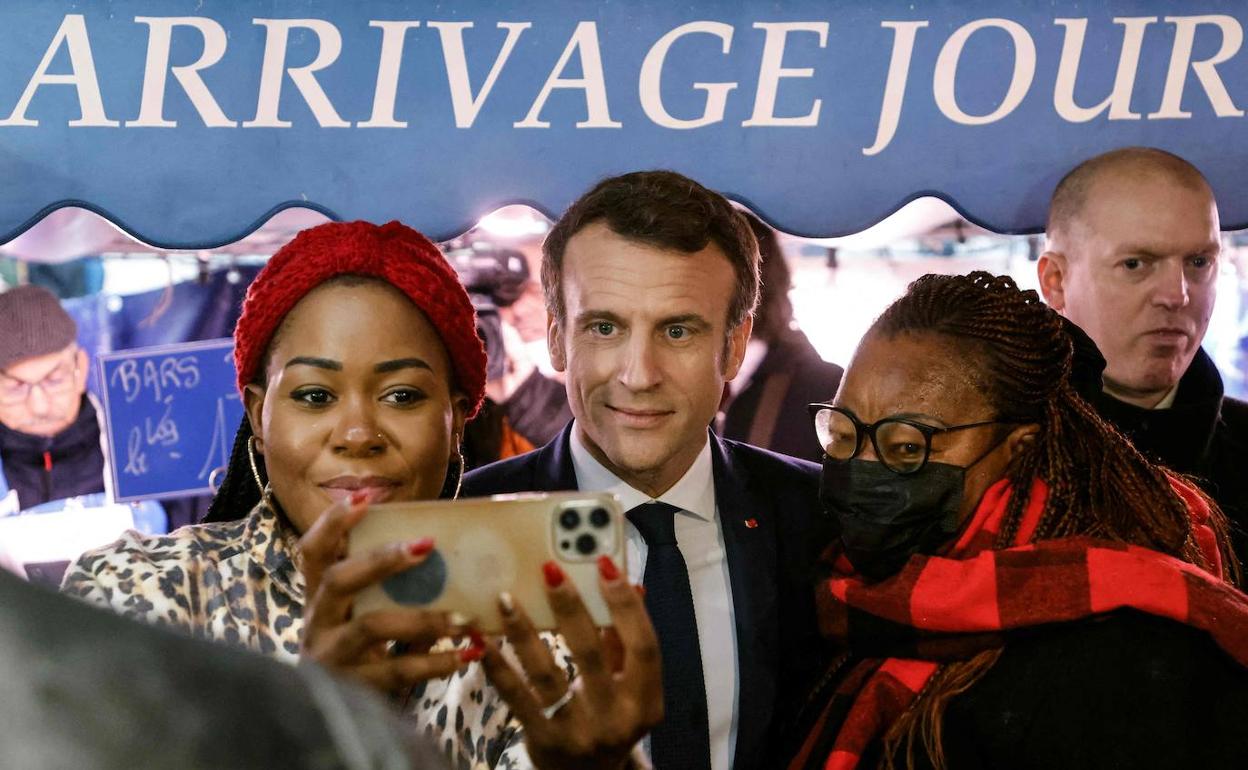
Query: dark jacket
(1125, 690)
(773, 533)
(538, 409)
(770, 411)
(1203, 434)
(43, 468)
(1128, 690)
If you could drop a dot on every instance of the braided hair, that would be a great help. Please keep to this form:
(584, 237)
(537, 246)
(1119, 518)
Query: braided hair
(240, 490)
(1099, 485)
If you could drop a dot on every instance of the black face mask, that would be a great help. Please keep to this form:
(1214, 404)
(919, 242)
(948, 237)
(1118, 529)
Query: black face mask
(884, 517)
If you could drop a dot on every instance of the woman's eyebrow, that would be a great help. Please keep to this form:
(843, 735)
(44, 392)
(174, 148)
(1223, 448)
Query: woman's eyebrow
(401, 363)
(921, 417)
(381, 368)
(319, 363)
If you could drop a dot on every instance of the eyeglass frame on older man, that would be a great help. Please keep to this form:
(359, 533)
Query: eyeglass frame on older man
(871, 429)
(49, 389)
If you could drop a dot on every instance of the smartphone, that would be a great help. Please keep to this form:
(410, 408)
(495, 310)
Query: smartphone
(486, 545)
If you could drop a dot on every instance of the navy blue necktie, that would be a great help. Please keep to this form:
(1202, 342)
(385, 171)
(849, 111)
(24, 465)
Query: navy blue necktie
(682, 740)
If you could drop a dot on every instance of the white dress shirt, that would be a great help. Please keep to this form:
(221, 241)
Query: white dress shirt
(701, 541)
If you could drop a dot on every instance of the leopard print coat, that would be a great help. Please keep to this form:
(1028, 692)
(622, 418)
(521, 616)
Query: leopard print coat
(236, 582)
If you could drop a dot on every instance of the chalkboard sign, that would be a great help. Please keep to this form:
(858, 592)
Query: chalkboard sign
(171, 413)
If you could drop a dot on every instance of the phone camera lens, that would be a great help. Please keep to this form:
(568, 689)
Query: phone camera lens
(599, 517)
(570, 519)
(586, 544)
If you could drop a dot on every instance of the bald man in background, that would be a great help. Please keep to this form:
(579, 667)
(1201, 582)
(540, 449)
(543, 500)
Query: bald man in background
(1132, 258)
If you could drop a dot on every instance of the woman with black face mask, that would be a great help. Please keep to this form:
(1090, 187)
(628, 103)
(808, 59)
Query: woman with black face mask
(1014, 585)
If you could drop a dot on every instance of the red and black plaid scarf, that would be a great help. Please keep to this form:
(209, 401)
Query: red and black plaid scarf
(949, 607)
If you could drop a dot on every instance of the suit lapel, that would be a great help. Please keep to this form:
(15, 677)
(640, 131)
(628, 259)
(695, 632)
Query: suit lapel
(749, 540)
(749, 532)
(554, 470)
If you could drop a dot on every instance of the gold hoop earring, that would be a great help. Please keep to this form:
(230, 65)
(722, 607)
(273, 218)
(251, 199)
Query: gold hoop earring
(251, 458)
(459, 479)
(458, 459)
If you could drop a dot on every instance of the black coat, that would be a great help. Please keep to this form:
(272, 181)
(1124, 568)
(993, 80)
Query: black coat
(770, 411)
(43, 468)
(773, 533)
(1203, 434)
(1124, 691)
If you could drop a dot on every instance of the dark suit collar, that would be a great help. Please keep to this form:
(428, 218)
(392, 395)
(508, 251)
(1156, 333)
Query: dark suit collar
(750, 543)
(1179, 436)
(730, 489)
(554, 462)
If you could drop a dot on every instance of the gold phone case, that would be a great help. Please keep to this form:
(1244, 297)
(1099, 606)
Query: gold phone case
(484, 546)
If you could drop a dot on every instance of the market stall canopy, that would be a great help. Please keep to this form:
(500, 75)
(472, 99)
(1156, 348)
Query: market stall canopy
(188, 123)
(69, 233)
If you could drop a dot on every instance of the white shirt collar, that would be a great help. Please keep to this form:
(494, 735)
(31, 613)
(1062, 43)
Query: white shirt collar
(694, 493)
(1167, 401)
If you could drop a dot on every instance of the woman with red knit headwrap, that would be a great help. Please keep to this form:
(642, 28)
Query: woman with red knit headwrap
(1014, 585)
(358, 365)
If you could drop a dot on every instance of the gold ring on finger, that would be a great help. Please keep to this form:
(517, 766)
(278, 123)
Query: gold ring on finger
(550, 711)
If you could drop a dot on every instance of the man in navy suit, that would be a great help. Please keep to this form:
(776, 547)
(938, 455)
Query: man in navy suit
(650, 282)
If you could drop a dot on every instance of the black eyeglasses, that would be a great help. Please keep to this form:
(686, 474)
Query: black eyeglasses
(14, 391)
(901, 444)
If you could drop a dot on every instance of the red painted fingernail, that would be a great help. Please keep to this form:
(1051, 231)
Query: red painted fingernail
(554, 576)
(641, 590)
(607, 569)
(421, 546)
(477, 639)
(470, 654)
(359, 497)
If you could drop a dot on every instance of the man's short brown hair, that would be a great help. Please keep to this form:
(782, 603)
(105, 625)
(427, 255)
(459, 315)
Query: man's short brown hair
(662, 209)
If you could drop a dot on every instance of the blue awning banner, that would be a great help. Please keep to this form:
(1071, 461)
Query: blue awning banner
(189, 122)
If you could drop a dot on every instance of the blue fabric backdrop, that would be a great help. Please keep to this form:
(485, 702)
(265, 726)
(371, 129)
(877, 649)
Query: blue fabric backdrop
(189, 121)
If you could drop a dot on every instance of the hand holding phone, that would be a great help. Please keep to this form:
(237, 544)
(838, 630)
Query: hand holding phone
(485, 547)
(598, 719)
(342, 637)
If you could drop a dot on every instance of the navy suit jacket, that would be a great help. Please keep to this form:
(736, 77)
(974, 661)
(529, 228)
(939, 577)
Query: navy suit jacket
(774, 531)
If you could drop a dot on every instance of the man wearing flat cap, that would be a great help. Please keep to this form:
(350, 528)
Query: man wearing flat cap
(49, 430)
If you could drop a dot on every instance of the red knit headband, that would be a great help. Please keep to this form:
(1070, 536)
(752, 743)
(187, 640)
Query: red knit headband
(393, 252)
